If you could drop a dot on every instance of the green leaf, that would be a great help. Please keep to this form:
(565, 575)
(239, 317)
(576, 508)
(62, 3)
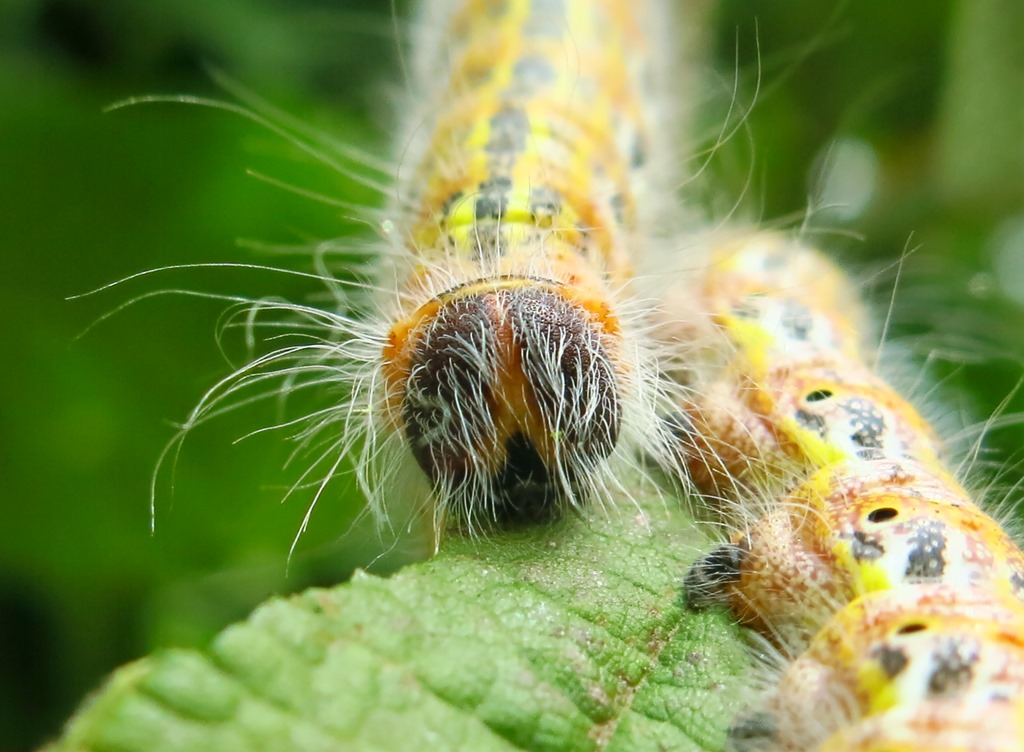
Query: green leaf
(569, 636)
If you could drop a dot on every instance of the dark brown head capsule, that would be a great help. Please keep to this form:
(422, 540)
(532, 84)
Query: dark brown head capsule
(508, 397)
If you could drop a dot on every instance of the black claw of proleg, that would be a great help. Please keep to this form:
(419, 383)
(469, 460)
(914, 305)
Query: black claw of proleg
(707, 582)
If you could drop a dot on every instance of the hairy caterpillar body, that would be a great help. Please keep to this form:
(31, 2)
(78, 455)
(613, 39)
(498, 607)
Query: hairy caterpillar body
(510, 370)
(500, 376)
(794, 389)
(506, 370)
(901, 596)
(934, 667)
(853, 529)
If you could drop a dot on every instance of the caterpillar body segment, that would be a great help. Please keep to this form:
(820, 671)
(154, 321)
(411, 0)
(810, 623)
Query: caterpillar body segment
(511, 370)
(761, 298)
(781, 312)
(792, 297)
(898, 669)
(802, 414)
(852, 529)
(833, 411)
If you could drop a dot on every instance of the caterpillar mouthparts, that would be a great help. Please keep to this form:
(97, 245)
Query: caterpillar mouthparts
(506, 389)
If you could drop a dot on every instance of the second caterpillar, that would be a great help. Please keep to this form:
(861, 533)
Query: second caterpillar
(856, 549)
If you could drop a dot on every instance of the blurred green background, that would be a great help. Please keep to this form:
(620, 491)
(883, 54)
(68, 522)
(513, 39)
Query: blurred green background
(908, 115)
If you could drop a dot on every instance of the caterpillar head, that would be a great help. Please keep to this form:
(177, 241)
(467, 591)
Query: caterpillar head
(507, 393)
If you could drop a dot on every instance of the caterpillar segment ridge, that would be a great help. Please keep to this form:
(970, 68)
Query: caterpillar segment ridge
(926, 667)
(510, 370)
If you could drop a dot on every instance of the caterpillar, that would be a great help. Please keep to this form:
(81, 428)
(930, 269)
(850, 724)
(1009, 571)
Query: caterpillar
(510, 370)
(901, 597)
(500, 374)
